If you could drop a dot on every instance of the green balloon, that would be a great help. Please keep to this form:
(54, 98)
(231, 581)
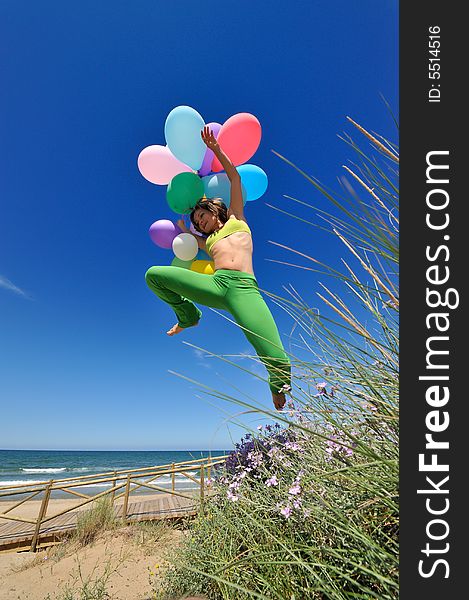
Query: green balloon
(185, 264)
(184, 190)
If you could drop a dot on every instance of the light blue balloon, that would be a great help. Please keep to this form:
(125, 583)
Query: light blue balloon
(182, 132)
(201, 255)
(254, 180)
(219, 186)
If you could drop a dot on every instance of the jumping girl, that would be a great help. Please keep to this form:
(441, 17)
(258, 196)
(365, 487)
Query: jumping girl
(233, 287)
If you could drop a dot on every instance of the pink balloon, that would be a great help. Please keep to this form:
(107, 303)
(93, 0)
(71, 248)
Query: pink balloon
(239, 138)
(158, 165)
(208, 158)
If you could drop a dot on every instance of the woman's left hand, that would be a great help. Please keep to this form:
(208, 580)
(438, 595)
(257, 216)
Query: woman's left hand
(209, 138)
(181, 224)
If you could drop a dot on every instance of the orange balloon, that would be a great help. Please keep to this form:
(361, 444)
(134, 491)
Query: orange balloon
(239, 138)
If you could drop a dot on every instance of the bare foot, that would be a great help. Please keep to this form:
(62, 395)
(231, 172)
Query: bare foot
(279, 400)
(177, 329)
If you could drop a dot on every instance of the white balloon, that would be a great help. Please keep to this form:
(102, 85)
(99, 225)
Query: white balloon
(185, 246)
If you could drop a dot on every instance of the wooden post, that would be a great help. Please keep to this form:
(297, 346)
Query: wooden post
(126, 498)
(41, 515)
(202, 483)
(114, 481)
(173, 478)
(209, 464)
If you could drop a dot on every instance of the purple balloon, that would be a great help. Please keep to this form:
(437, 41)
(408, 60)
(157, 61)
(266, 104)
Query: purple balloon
(208, 158)
(163, 232)
(193, 230)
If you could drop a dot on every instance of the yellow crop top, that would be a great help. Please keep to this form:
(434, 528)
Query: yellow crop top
(231, 226)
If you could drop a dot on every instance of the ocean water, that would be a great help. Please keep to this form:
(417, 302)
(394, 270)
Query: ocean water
(33, 466)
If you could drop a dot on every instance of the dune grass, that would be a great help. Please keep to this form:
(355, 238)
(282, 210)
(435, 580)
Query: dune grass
(93, 586)
(307, 506)
(123, 543)
(90, 523)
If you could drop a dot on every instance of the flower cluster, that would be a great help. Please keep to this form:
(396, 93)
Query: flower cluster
(232, 492)
(322, 390)
(336, 447)
(295, 499)
(254, 455)
(260, 458)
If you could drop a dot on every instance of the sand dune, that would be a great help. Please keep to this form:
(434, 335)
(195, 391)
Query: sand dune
(131, 562)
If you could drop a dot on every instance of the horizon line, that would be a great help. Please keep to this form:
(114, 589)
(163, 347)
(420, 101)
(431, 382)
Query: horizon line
(110, 450)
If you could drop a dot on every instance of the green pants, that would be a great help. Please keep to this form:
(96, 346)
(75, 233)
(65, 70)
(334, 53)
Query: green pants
(234, 291)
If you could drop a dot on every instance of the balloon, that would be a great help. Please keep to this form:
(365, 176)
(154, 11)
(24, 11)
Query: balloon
(218, 186)
(239, 138)
(185, 246)
(182, 132)
(163, 232)
(183, 264)
(193, 230)
(158, 165)
(209, 155)
(203, 266)
(184, 191)
(201, 255)
(254, 180)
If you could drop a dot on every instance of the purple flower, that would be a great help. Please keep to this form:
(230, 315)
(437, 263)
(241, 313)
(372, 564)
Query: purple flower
(295, 489)
(277, 455)
(286, 511)
(321, 387)
(335, 448)
(272, 481)
(297, 503)
(255, 455)
(273, 452)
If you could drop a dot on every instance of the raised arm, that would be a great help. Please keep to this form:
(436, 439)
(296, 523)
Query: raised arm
(236, 207)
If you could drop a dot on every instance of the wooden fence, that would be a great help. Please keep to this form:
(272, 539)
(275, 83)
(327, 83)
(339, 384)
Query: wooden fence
(122, 484)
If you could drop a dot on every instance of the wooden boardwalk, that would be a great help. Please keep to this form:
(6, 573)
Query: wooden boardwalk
(40, 525)
(18, 536)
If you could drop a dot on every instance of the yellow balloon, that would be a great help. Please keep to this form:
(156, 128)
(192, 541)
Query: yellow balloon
(203, 266)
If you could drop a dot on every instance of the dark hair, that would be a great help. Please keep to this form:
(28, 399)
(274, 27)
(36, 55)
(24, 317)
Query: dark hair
(215, 205)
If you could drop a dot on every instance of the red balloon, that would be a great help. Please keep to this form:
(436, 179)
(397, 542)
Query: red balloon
(239, 138)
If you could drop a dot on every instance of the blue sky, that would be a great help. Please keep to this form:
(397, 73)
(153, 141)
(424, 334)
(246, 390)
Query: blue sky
(85, 358)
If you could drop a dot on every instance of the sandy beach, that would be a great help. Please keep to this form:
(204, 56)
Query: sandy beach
(130, 556)
(132, 565)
